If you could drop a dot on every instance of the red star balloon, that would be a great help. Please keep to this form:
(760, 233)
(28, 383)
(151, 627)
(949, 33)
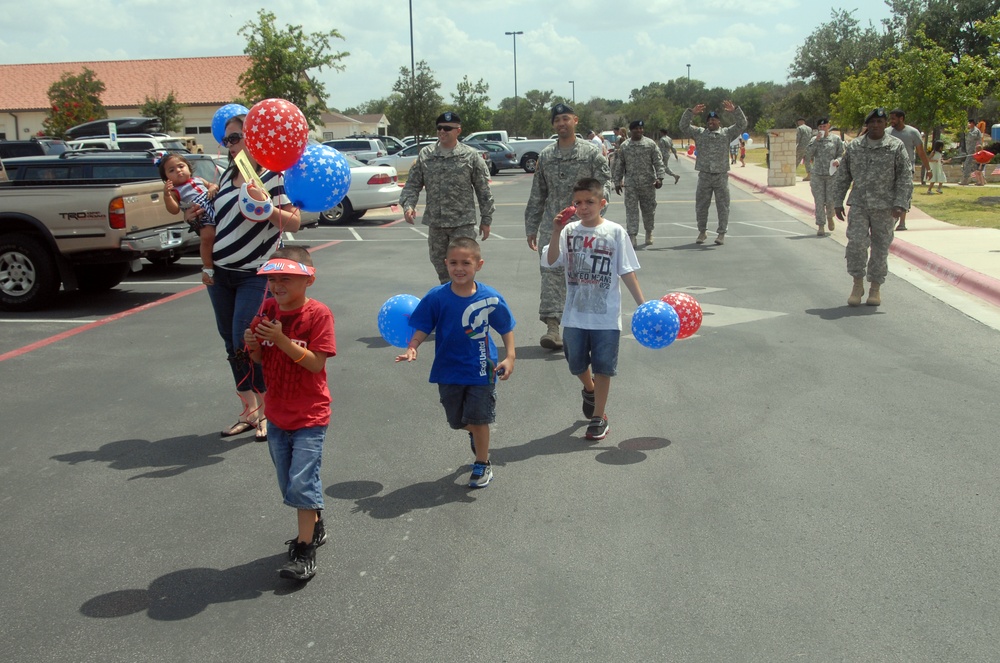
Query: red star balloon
(276, 133)
(688, 311)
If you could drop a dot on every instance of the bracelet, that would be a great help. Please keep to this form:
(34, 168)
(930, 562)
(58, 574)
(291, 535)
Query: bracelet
(304, 353)
(209, 271)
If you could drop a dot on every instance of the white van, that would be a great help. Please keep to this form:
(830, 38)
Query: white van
(131, 143)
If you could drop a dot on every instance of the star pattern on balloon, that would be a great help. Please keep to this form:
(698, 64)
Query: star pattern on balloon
(655, 324)
(394, 319)
(276, 133)
(688, 311)
(320, 179)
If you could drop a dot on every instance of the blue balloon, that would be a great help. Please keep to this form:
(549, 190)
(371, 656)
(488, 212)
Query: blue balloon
(655, 324)
(222, 116)
(394, 319)
(319, 180)
(745, 136)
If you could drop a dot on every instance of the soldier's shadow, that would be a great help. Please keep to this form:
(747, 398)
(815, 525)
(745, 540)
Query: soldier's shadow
(186, 593)
(845, 311)
(174, 455)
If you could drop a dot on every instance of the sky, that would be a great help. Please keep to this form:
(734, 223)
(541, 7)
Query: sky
(727, 42)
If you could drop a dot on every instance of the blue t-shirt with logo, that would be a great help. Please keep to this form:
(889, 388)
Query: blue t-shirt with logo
(464, 352)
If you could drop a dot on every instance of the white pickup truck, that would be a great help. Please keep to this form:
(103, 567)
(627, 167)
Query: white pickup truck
(525, 151)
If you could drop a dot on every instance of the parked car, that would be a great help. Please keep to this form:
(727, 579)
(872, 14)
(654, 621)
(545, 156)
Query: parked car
(123, 125)
(31, 148)
(362, 149)
(402, 160)
(371, 187)
(501, 155)
(392, 144)
(131, 143)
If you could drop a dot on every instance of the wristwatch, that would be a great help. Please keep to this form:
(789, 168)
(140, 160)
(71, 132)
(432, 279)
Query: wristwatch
(209, 271)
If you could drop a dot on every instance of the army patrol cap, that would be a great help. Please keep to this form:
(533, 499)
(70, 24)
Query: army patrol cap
(878, 112)
(561, 109)
(712, 114)
(448, 116)
(635, 124)
(822, 120)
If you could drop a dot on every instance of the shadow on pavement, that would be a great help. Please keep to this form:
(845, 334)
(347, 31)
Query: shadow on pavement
(844, 311)
(185, 594)
(174, 455)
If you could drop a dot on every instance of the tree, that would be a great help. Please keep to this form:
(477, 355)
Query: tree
(836, 50)
(73, 100)
(280, 61)
(470, 102)
(418, 103)
(951, 24)
(167, 110)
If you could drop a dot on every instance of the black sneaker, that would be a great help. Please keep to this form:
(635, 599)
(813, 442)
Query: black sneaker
(588, 403)
(319, 538)
(302, 565)
(598, 428)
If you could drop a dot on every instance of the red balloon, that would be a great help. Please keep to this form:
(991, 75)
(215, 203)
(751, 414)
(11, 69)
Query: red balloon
(983, 156)
(688, 311)
(276, 133)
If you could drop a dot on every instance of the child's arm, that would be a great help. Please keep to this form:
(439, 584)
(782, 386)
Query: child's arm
(411, 349)
(170, 199)
(506, 367)
(631, 282)
(270, 330)
(207, 237)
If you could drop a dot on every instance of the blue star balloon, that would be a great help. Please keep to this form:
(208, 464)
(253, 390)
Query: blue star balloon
(394, 319)
(222, 116)
(319, 180)
(655, 324)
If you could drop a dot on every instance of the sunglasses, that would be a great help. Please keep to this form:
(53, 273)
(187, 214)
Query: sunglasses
(441, 127)
(232, 139)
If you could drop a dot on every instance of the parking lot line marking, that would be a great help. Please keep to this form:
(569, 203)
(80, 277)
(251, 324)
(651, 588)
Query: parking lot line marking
(419, 232)
(744, 223)
(356, 235)
(44, 321)
(497, 236)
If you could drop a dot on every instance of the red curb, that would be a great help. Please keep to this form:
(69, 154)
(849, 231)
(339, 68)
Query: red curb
(975, 283)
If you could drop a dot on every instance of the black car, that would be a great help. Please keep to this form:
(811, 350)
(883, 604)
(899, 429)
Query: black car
(102, 165)
(123, 126)
(30, 148)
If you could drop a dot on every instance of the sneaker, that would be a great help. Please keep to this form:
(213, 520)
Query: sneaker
(472, 443)
(302, 562)
(319, 538)
(702, 236)
(588, 403)
(598, 428)
(482, 474)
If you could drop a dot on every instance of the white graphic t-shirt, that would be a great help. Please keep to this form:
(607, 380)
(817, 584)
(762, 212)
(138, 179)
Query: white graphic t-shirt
(594, 259)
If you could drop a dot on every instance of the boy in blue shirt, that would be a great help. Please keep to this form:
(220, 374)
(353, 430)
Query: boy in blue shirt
(461, 314)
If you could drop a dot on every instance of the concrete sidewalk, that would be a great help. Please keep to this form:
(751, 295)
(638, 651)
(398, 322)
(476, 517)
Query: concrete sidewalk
(967, 258)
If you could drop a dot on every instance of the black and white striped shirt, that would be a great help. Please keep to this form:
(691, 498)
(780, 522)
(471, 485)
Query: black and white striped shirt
(239, 242)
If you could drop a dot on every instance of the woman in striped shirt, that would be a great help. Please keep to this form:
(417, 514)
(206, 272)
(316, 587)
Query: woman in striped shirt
(241, 247)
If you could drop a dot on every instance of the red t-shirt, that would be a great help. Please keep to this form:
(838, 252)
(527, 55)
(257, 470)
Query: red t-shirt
(298, 398)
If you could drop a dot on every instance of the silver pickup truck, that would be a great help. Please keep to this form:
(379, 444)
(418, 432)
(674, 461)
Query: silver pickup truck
(80, 236)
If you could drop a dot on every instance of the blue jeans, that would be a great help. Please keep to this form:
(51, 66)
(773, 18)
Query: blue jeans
(236, 297)
(596, 349)
(297, 456)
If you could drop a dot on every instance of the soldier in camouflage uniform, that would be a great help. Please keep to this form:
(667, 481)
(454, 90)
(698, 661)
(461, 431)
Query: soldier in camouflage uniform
(454, 176)
(803, 134)
(712, 164)
(560, 166)
(973, 142)
(666, 145)
(639, 169)
(882, 177)
(823, 150)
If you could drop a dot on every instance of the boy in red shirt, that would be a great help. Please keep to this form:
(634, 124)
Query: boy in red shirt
(292, 340)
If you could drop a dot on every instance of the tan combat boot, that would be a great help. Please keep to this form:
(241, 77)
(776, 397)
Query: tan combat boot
(649, 237)
(702, 236)
(874, 296)
(858, 292)
(551, 340)
(829, 223)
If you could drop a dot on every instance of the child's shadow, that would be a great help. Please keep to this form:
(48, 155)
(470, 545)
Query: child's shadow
(186, 593)
(423, 495)
(175, 455)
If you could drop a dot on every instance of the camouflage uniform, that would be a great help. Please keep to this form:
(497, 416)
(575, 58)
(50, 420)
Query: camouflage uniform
(552, 191)
(637, 167)
(883, 179)
(803, 134)
(819, 153)
(666, 149)
(454, 179)
(712, 164)
(973, 139)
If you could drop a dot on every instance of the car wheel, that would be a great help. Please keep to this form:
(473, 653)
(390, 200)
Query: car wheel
(529, 161)
(493, 169)
(29, 278)
(339, 214)
(163, 258)
(98, 278)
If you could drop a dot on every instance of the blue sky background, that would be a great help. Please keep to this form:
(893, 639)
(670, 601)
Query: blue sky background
(727, 42)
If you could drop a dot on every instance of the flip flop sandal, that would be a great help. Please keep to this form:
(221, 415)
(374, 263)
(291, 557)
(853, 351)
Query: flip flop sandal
(261, 433)
(238, 428)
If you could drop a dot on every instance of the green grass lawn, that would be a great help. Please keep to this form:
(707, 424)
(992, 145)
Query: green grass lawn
(958, 205)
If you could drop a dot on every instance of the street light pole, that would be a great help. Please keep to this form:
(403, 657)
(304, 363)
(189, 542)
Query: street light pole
(413, 80)
(514, 35)
(689, 73)
(573, 83)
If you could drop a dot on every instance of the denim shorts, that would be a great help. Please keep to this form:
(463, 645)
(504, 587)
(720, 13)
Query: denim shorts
(466, 404)
(297, 456)
(596, 349)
